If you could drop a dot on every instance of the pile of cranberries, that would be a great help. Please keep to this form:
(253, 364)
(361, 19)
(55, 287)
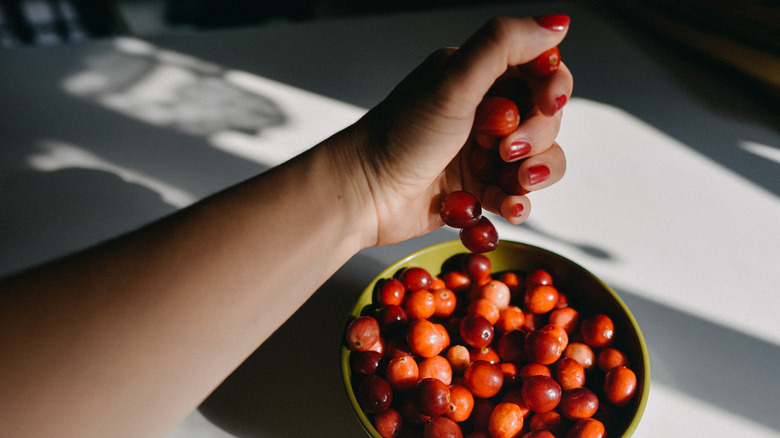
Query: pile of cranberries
(476, 353)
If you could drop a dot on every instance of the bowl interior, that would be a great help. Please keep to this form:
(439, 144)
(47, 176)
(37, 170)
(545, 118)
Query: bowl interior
(585, 292)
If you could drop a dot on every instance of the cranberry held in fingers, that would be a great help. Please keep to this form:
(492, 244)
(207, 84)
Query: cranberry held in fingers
(362, 333)
(541, 393)
(484, 164)
(481, 237)
(507, 178)
(497, 116)
(543, 65)
(620, 385)
(374, 394)
(460, 209)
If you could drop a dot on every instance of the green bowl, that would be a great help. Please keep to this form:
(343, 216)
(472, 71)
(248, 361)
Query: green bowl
(584, 291)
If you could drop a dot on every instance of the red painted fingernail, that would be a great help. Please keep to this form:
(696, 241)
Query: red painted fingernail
(518, 210)
(518, 149)
(556, 22)
(538, 173)
(560, 101)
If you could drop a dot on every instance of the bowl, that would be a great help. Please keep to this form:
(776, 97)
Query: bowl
(584, 291)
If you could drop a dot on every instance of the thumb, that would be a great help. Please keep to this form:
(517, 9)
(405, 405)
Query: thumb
(496, 46)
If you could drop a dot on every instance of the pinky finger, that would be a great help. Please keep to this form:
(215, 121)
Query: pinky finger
(516, 209)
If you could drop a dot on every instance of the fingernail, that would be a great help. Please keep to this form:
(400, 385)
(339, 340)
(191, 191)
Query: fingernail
(538, 173)
(518, 210)
(555, 22)
(560, 101)
(518, 149)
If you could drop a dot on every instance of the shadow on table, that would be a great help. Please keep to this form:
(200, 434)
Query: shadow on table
(708, 361)
(291, 386)
(113, 136)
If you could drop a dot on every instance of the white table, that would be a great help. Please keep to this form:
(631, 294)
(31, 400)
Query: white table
(671, 195)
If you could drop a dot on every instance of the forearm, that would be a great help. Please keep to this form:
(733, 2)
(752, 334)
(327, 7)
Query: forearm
(147, 325)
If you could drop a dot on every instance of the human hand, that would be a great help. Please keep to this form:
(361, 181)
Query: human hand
(414, 146)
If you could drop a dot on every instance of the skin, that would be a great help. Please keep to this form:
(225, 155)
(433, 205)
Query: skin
(127, 338)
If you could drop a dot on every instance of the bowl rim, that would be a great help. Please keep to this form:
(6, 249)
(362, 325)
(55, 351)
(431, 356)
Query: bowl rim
(643, 385)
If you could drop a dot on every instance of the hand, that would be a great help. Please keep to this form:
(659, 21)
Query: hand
(414, 146)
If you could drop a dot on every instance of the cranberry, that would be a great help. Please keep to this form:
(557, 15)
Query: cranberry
(442, 427)
(365, 362)
(578, 403)
(476, 266)
(569, 373)
(538, 276)
(542, 347)
(402, 373)
(511, 346)
(541, 298)
(437, 367)
(388, 423)
(543, 65)
(483, 379)
(431, 397)
(362, 333)
(597, 331)
(587, 428)
(497, 292)
(507, 178)
(481, 237)
(506, 421)
(476, 331)
(609, 358)
(390, 291)
(460, 209)
(425, 338)
(392, 319)
(620, 385)
(485, 164)
(421, 304)
(541, 393)
(416, 278)
(374, 394)
(461, 404)
(497, 116)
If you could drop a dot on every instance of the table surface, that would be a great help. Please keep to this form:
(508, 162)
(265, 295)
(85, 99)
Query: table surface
(671, 192)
